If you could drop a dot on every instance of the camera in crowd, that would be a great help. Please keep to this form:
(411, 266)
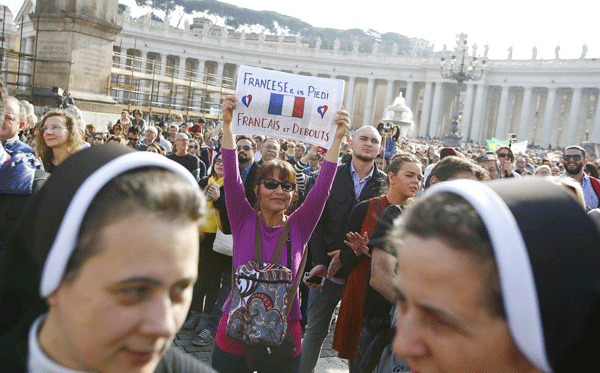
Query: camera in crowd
(62, 97)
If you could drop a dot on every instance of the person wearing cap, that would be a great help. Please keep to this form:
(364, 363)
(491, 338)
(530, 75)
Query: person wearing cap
(488, 281)
(444, 152)
(573, 160)
(490, 163)
(99, 274)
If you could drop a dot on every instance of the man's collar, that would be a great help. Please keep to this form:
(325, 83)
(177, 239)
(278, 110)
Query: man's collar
(353, 170)
(11, 140)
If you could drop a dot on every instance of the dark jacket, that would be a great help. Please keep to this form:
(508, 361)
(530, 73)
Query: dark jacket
(331, 229)
(20, 179)
(14, 351)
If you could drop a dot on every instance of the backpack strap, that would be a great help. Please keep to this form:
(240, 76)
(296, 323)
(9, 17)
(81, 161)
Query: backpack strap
(296, 283)
(283, 238)
(278, 250)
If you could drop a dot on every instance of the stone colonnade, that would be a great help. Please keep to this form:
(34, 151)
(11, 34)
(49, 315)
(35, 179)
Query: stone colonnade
(547, 102)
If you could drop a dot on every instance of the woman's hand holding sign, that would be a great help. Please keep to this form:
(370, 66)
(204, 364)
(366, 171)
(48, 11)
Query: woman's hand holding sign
(343, 123)
(228, 106)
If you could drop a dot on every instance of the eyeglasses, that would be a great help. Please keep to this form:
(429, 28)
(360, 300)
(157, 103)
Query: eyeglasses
(575, 157)
(53, 129)
(502, 155)
(192, 146)
(244, 147)
(286, 186)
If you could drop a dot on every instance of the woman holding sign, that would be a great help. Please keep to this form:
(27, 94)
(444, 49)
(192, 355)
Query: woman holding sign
(261, 227)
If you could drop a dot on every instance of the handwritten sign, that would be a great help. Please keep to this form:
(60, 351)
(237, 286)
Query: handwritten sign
(287, 106)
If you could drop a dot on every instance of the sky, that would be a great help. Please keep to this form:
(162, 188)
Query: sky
(500, 23)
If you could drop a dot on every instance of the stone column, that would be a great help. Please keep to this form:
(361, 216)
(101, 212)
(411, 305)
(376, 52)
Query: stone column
(502, 110)
(435, 110)
(573, 117)
(548, 118)
(388, 95)
(181, 67)
(409, 93)
(23, 66)
(220, 68)
(163, 64)
(477, 119)
(369, 101)
(595, 135)
(144, 60)
(123, 63)
(424, 130)
(350, 99)
(200, 74)
(465, 125)
(525, 111)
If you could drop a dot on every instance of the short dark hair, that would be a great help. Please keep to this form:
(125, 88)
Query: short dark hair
(242, 137)
(450, 166)
(577, 147)
(135, 130)
(451, 219)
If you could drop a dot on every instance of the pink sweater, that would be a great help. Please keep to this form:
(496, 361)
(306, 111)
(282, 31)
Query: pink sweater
(243, 217)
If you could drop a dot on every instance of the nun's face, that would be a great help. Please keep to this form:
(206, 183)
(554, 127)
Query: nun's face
(444, 323)
(122, 311)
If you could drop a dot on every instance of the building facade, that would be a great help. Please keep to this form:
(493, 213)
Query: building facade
(547, 102)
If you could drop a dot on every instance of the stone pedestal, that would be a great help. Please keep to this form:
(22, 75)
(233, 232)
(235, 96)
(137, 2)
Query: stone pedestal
(74, 49)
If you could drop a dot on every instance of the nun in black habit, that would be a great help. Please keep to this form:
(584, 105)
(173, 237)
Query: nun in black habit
(499, 276)
(99, 274)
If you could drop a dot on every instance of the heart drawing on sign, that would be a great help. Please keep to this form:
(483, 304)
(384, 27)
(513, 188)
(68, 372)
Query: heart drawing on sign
(322, 110)
(246, 100)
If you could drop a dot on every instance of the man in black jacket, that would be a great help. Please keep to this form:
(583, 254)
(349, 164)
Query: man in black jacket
(355, 181)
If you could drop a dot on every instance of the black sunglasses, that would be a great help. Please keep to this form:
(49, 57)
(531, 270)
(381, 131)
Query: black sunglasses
(286, 186)
(502, 155)
(575, 157)
(132, 139)
(244, 147)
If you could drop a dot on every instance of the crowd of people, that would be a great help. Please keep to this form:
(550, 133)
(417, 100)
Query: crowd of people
(439, 259)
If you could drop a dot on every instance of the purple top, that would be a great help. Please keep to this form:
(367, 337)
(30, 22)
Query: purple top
(242, 218)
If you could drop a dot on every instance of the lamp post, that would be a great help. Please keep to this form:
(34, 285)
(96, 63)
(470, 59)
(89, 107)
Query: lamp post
(469, 68)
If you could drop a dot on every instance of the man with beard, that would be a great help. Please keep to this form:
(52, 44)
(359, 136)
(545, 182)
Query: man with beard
(355, 181)
(574, 160)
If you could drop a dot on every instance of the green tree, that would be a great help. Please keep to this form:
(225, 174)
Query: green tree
(167, 6)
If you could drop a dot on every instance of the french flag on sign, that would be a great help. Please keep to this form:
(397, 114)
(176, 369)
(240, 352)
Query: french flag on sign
(287, 106)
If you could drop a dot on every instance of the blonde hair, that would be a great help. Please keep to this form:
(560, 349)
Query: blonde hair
(73, 141)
